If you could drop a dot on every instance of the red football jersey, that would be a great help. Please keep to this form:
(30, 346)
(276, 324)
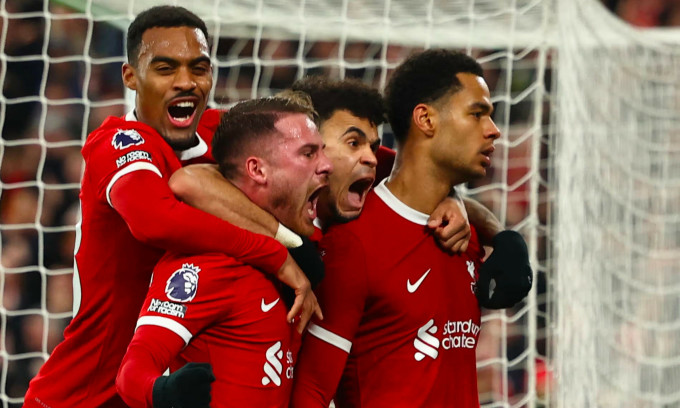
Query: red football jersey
(401, 320)
(385, 157)
(228, 314)
(317, 235)
(129, 217)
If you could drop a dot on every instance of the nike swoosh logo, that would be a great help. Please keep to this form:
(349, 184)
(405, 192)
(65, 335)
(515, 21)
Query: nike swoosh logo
(268, 306)
(412, 287)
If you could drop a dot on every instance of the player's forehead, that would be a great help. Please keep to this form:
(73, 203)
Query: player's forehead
(180, 43)
(298, 127)
(343, 123)
(473, 91)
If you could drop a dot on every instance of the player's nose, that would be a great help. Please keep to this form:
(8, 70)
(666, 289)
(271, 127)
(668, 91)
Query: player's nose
(325, 166)
(492, 130)
(184, 80)
(368, 157)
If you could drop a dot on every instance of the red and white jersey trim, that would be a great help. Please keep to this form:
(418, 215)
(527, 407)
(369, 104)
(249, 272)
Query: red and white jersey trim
(399, 207)
(169, 324)
(330, 337)
(197, 151)
(127, 170)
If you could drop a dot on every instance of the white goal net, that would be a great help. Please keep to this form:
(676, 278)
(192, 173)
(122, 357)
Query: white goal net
(617, 241)
(587, 168)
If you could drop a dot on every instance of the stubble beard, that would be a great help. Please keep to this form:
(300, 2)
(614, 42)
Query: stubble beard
(184, 144)
(338, 218)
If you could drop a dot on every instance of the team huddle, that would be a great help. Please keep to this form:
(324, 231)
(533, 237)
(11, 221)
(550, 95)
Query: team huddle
(275, 254)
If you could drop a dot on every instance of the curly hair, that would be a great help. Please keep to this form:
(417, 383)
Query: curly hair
(159, 16)
(424, 77)
(330, 95)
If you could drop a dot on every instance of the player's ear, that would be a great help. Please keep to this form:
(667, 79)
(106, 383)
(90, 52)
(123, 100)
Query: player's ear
(424, 117)
(129, 76)
(256, 170)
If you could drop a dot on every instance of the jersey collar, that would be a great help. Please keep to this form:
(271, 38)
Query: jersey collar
(399, 207)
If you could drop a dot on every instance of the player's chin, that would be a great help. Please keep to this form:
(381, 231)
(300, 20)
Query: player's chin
(348, 212)
(180, 139)
(480, 170)
(305, 227)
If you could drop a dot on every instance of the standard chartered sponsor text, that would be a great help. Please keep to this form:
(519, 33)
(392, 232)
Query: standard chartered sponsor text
(460, 334)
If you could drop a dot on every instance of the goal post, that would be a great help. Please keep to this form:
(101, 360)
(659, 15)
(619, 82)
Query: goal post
(617, 241)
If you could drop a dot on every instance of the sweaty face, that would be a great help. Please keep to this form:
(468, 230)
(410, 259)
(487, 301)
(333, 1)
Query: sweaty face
(351, 143)
(465, 132)
(299, 171)
(173, 78)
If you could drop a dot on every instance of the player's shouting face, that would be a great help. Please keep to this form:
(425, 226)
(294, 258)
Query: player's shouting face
(299, 172)
(351, 143)
(172, 77)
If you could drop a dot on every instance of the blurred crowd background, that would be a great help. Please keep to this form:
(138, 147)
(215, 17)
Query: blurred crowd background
(54, 105)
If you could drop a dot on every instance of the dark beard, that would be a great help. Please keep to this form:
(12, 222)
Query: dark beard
(337, 218)
(180, 145)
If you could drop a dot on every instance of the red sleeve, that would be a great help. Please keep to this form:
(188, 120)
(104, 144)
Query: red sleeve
(149, 354)
(154, 216)
(342, 295)
(317, 373)
(385, 157)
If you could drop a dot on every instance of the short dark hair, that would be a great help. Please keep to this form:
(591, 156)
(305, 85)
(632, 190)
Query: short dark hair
(349, 94)
(159, 16)
(247, 124)
(424, 78)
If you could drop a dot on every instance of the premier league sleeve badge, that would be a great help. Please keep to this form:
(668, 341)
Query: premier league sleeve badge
(183, 283)
(125, 138)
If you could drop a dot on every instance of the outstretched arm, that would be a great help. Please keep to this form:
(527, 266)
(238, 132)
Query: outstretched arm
(203, 187)
(156, 217)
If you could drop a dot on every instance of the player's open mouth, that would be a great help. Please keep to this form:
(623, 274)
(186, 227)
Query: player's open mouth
(181, 113)
(357, 191)
(312, 201)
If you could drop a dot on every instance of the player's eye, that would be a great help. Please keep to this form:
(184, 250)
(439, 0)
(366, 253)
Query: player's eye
(201, 69)
(164, 69)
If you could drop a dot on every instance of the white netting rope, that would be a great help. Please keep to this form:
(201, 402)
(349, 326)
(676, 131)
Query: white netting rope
(618, 230)
(261, 46)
